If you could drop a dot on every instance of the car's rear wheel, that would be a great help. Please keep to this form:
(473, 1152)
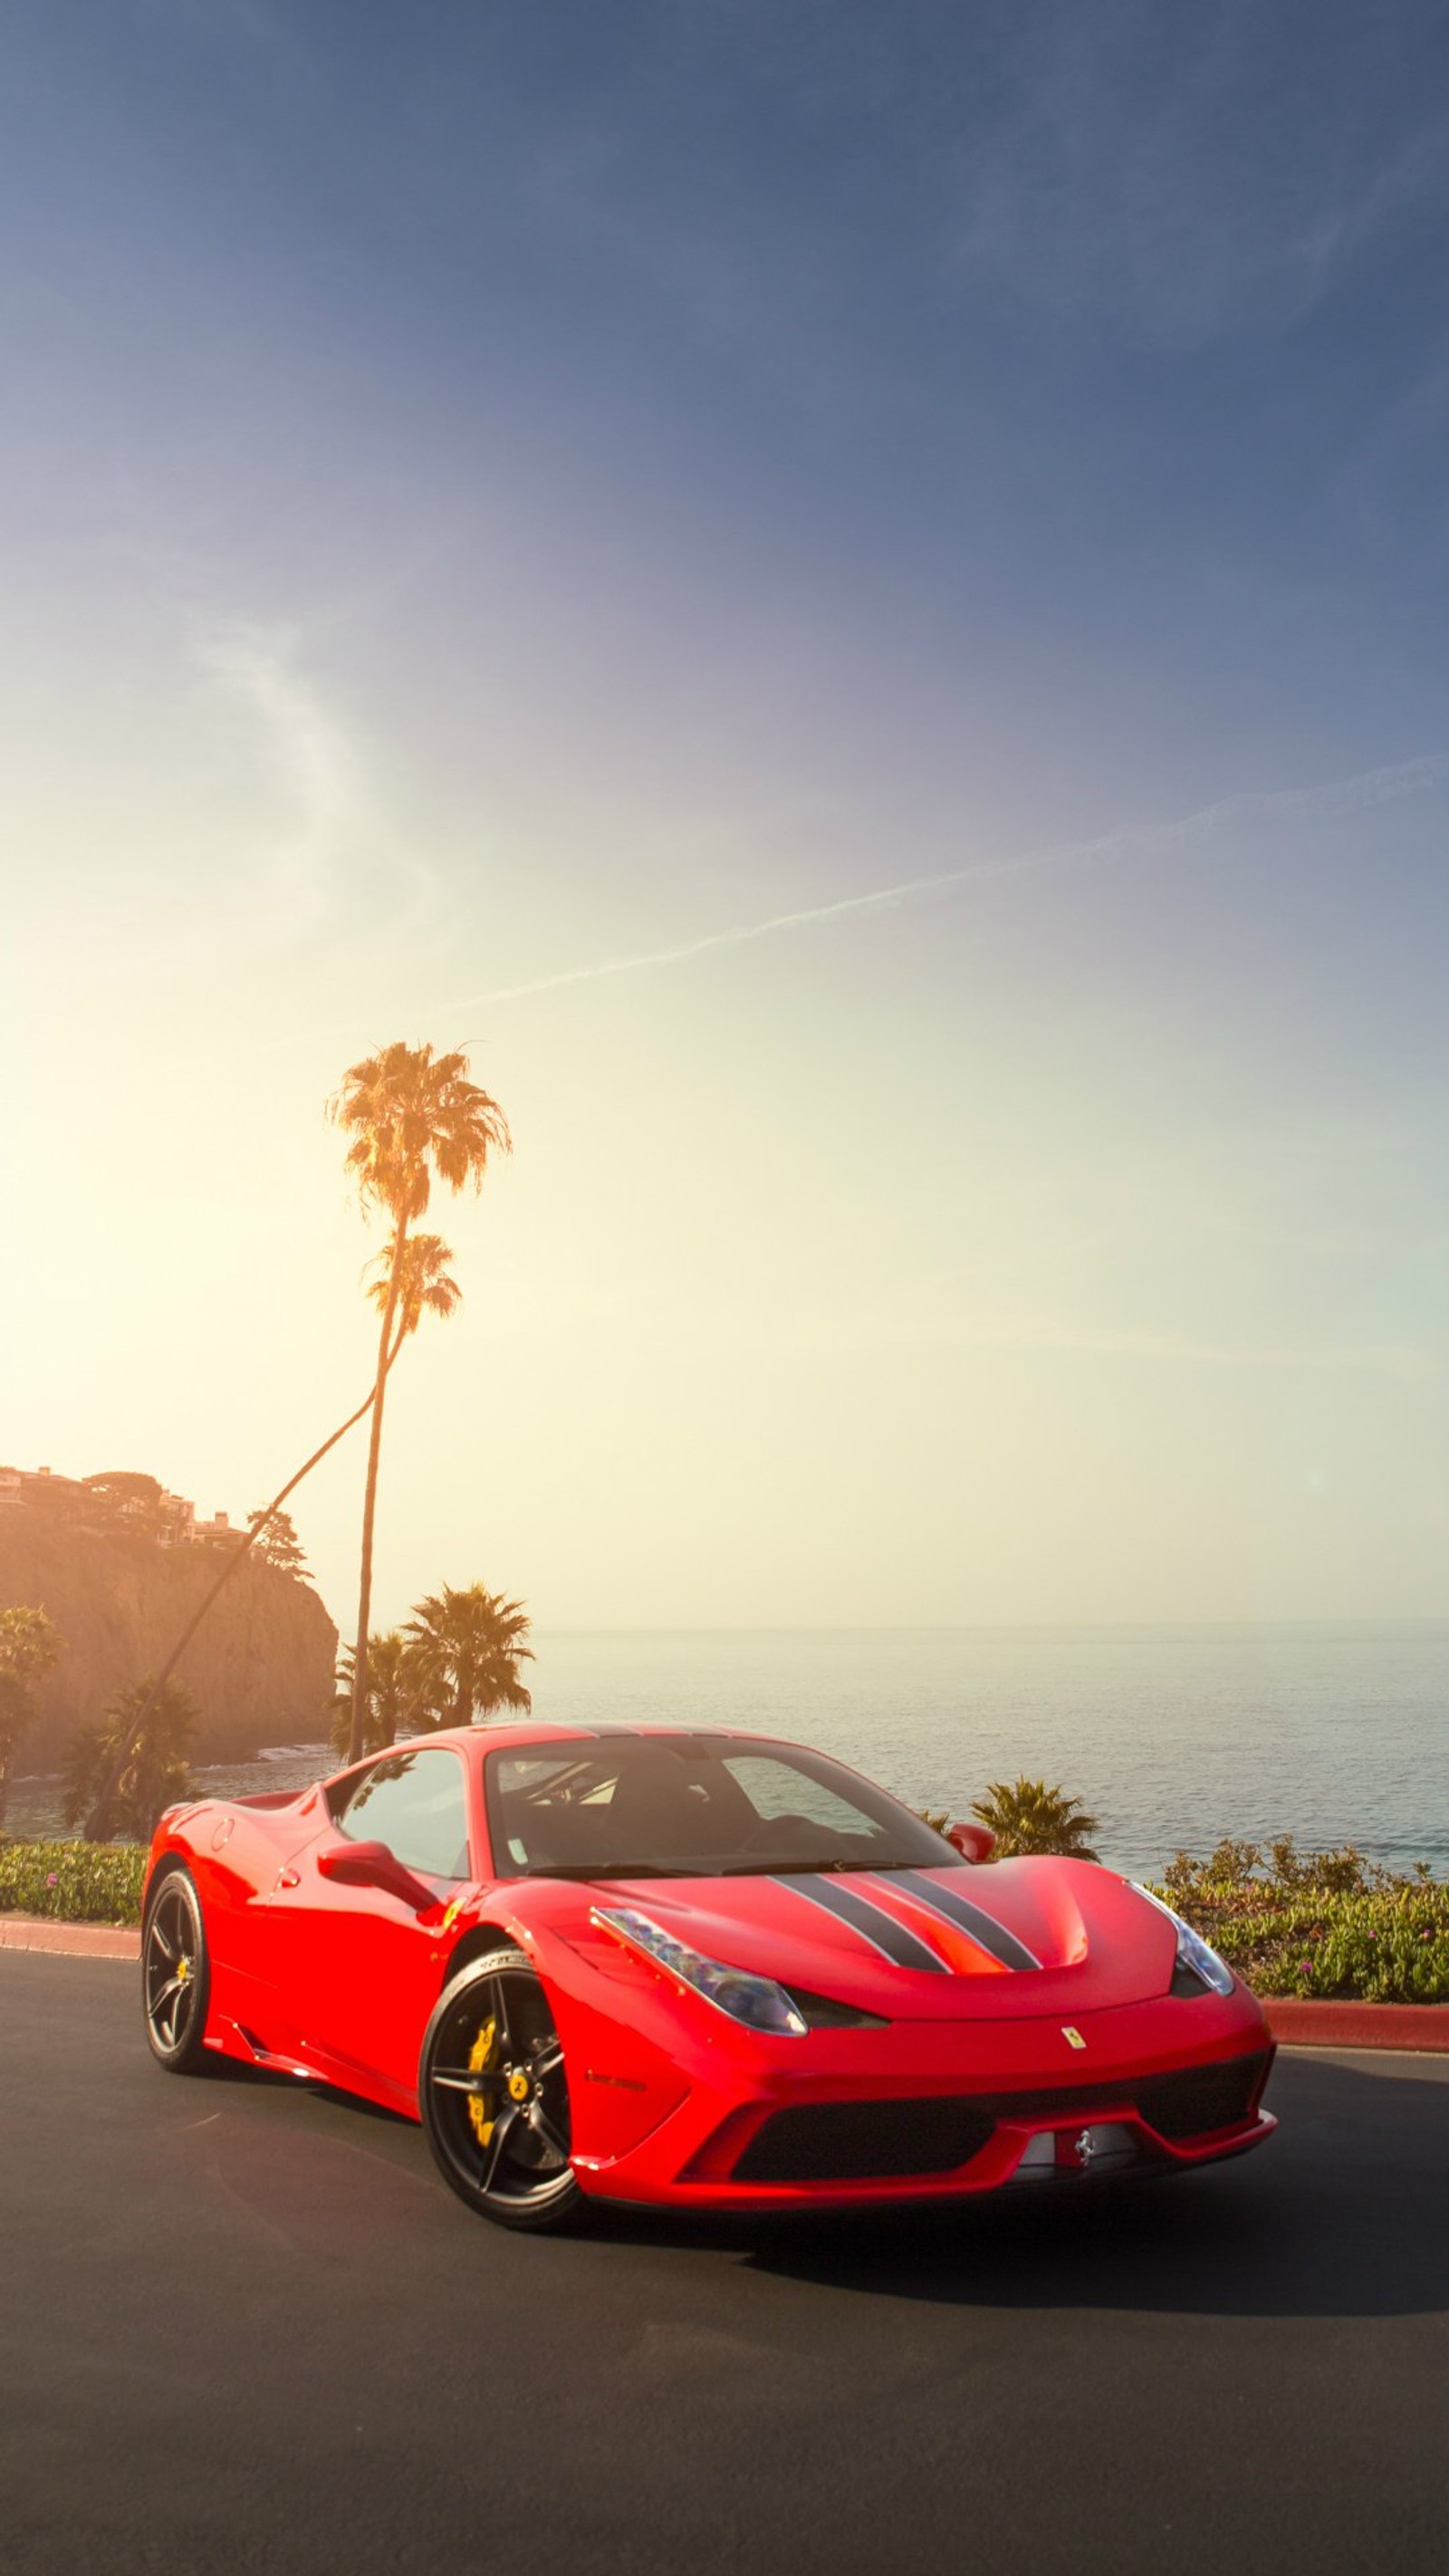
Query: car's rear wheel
(175, 1973)
(494, 2097)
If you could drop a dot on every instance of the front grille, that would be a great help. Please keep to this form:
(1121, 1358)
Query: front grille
(1190, 2104)
(871, 2141)
(864, 2141)
(1204, 2098)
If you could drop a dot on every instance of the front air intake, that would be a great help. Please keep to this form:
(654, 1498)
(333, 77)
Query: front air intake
(876, 2141)
(1204, 2098)
(864, 2141)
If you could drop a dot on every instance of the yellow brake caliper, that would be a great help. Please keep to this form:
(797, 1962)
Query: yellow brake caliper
(478, 2112)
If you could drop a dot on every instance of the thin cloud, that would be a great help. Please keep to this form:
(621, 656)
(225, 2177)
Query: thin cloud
(1359, 794)
(311, 757)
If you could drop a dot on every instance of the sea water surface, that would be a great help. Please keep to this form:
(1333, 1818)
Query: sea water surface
(1171, 1737)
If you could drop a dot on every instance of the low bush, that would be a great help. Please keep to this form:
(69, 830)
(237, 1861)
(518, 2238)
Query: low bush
(1326, 1924)
(77, 1882)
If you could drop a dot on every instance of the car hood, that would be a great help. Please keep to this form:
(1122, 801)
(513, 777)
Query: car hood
(998, 1940)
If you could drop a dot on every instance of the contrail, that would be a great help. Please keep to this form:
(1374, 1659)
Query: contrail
(1342, 796)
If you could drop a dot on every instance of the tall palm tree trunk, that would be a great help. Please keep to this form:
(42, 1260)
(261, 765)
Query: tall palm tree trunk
(99, 1821)
(369, 1506)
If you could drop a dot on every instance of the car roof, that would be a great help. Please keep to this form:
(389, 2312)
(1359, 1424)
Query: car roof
(545, 1731)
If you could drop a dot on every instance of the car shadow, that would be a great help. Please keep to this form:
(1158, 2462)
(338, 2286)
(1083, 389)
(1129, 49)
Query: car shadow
(300, 2088)
(1343, 2213)
(320, 2092)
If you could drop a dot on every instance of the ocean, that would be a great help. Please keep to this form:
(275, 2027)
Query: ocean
(1171, 1736)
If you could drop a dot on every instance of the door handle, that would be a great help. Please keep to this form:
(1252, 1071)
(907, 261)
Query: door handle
(288, 1878)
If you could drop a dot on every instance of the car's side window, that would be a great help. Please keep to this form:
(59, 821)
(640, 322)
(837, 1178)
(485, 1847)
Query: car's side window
(414, 1802)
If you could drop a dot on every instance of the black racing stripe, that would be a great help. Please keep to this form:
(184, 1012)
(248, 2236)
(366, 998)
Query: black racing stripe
(983, 1927)
(872, 1922)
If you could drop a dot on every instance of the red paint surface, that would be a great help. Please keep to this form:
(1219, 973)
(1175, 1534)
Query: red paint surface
(324, 1978)
(1293, 2023)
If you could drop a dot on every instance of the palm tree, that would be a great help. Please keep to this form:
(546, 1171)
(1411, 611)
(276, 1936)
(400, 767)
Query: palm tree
(145, 1736)
(412, 1115)
(1026, 1816)
(29, 1645)
(426, 1289)
(426, 1286)
(470, 1643)
(401, 1695)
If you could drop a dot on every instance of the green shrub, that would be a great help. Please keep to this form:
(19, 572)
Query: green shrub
(76, 1882)
(1325, 1924)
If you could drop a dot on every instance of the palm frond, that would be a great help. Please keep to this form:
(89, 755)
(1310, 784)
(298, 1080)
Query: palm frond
(155, 1771)
(426, 1286)
(402, 1697)
(472, 1642)
(1028, 1817)
(410, 1114)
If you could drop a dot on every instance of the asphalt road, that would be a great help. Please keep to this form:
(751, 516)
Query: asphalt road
(242, 2326)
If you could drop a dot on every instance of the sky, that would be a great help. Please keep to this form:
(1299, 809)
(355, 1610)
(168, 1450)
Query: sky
(855, 601)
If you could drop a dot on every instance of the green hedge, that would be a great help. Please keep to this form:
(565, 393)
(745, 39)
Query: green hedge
(1325, 1924)
(1364, 1949)
(77, 1882)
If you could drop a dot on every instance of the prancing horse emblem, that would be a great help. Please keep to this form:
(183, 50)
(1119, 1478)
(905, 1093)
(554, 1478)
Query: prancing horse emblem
(1085, 2147)
(1072, 2035)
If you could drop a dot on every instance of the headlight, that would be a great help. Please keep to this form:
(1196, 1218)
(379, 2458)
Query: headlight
(756, 2001)
(1194, 1954)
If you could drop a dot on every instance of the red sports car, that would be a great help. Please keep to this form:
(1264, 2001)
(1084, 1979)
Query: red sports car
(692, 1967)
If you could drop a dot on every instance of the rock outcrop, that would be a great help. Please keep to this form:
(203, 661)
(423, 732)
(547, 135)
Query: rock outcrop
(259, 1668)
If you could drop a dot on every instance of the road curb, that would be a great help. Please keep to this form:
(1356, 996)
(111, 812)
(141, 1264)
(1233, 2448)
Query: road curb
(1300, 2022)
(68, 1940)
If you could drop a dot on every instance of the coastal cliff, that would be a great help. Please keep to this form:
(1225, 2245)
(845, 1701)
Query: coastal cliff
(260, 1668)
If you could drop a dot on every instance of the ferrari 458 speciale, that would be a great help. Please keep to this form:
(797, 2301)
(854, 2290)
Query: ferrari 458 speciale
(694, 1968)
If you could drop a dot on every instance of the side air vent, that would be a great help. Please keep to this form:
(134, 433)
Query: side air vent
(822, 2012)
(1186, 1981)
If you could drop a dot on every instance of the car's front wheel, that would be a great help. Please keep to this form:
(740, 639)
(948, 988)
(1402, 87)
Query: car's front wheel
(175, 1973)
(494, 2098)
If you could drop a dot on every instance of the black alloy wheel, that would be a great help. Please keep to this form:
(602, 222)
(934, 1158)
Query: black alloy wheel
(175, 1973)
(494, 2098)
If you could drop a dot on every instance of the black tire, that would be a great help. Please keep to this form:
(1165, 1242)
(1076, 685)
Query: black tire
(494, 2097)
(175, 1973)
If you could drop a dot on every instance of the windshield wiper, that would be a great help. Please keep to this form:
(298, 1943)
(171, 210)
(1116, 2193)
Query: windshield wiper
(782, 1866)
(785, 1867)
(587, 1869)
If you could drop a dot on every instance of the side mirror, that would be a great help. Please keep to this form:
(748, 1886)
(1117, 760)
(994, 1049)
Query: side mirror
(373, 1865)
(973, 1842)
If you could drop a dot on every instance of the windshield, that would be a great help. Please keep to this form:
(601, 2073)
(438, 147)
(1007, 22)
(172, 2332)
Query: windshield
(635, 1806)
